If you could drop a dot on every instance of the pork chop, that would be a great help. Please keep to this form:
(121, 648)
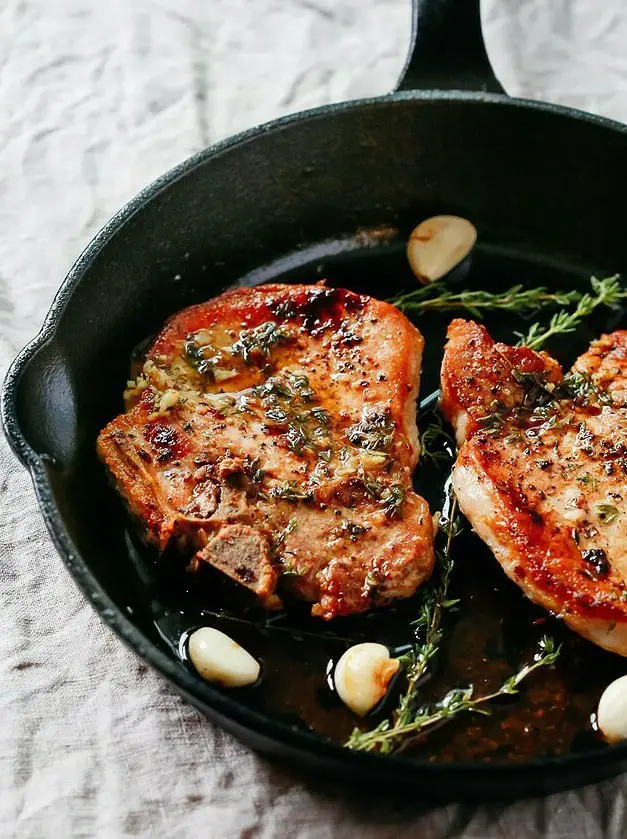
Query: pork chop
(271, 433)
(541, 472)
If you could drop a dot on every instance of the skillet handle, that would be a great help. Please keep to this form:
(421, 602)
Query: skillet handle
(447, 51)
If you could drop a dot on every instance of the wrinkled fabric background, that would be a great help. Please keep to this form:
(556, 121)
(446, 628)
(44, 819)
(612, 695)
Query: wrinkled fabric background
(96, 100)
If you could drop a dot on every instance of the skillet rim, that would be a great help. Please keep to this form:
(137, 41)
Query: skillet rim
(223, 708)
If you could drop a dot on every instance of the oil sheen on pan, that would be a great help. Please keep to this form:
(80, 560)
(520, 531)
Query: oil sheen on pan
(284, 495)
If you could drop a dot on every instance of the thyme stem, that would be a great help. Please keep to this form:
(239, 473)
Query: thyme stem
(412, 718)
(605, 292)
(455, 702)
(429, 623)
(522, 301)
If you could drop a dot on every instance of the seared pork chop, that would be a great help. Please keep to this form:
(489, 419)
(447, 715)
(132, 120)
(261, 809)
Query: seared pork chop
(271, 432)
(541, 472)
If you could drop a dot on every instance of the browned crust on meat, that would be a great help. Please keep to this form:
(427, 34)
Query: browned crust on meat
(335, 374)
(477, 375)
(535, 485)
(606, 363)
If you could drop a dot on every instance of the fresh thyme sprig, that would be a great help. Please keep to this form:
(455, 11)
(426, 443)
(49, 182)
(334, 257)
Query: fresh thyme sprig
(605, 292)
(435, 602)
(412, 718)
(518, 299)
(428, 624)
(456, 701)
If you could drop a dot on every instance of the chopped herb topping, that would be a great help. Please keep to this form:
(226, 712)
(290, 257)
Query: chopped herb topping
(352, 529)
(277, 416)
(298, 385)
(224, 405)
(390, 496)
(392, 500)
(289, 528)
(587, 480)
(259, 341)
(375, 431)
(607, 512)
(253, 470)
(581, 388)
(538, 392)
(204, 359)
(227, 405)
(270, 390)
(320, 416)
(290, 492)
(297, 438)
(540, 399)
(291, 386)
(283, 401)
(289, 569)
(493, 422)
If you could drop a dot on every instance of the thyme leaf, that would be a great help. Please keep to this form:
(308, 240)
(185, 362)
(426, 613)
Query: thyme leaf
(282, 535)
(607, 512)
(580, 387)
(196, 356)
(434, 603)
(392, 499)
(587, 480)
(375, 431)
(289, 491)
(604, 292)
(390, 496)
(285, 404)
(259, 341)
(493, 422)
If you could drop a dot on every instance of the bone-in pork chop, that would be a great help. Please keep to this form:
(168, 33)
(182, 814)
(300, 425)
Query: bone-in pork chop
(541, 472)
(271, 433)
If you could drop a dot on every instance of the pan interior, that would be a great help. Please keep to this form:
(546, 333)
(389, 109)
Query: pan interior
(495, 629)
(543, 190)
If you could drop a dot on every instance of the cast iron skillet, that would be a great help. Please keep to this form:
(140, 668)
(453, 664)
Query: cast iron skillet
(545, 185)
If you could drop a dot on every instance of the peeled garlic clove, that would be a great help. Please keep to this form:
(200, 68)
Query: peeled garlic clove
(438, 244)
(220, 659)
(612, 712)
(362, 676)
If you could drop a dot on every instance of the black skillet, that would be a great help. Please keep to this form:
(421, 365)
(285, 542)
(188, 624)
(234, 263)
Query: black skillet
(545, 186)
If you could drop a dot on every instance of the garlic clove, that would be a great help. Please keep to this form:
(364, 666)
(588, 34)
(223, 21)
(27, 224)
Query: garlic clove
(373, 459)
(438, 244)
(362, 676)
(221, 375)
(220, 659)
(169, 399)
(612, 711)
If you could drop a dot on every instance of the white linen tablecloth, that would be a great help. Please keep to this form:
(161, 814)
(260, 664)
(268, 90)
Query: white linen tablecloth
(96, 100)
